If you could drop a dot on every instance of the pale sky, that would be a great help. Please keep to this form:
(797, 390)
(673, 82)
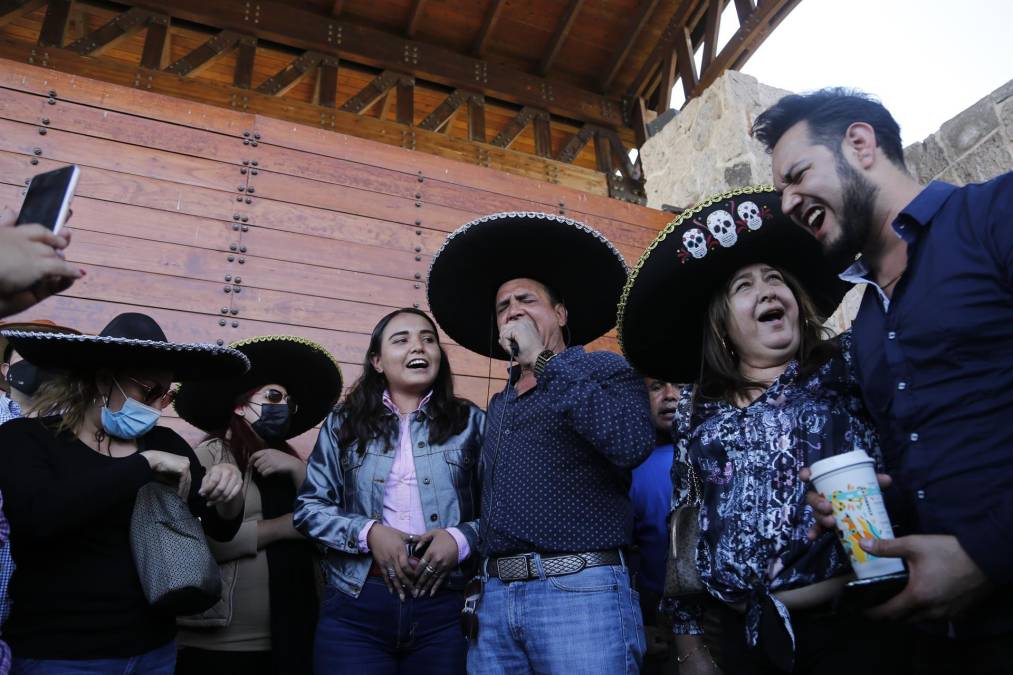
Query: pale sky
(926, 60)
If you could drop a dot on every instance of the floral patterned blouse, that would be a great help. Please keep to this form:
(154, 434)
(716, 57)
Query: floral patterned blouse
(753, 516)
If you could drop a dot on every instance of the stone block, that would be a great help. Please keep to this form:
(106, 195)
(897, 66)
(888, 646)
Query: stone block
(1003, 93)
(967, 129)
(1006, 116)
(989, 159)
(739, 175)
(927, 159)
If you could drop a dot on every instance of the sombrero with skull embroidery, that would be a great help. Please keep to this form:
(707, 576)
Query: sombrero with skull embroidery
(663, 308)
(576, 261)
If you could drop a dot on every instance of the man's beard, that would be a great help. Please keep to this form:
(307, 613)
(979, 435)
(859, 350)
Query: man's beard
(858, 197)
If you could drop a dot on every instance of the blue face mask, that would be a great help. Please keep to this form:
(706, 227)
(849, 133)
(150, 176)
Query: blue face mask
(133, 420)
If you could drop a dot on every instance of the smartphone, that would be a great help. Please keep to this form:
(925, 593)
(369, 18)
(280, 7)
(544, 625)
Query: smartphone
(47, 201)
(416, 549)
(862, 594)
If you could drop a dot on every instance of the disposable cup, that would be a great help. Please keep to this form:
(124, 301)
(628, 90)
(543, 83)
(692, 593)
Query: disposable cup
(848, 481)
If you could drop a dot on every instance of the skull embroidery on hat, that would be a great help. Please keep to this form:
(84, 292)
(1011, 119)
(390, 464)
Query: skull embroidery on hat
(722, 228)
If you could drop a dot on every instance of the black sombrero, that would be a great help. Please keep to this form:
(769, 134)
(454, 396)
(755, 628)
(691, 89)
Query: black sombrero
(304, 368)
(577, 262)
(663, 308)
(130, 340)
(37, 326)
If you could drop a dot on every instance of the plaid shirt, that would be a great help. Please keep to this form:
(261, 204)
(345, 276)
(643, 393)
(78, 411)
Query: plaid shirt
(9, 409)
(6, 570)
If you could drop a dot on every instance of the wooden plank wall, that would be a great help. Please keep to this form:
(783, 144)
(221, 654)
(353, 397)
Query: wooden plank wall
(224, 225)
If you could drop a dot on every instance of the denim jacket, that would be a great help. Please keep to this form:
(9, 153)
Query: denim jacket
(344, 490)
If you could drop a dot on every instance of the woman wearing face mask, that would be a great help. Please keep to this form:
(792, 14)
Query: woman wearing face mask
(69, 480)
(724, 305)
(266, 618)
(394, 468)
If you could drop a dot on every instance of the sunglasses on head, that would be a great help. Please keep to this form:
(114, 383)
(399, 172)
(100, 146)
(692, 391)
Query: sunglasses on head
(153, 393)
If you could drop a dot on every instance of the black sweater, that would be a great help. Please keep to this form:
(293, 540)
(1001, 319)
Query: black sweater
(76, 593)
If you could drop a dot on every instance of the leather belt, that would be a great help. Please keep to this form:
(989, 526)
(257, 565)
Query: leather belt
(522, 567)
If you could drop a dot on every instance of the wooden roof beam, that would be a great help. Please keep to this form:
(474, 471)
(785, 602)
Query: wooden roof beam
(205, 55)
(488, 24)
(337, 7)
(569, 17)
(415, 17)
(664, 92)
(15, 9)
(687, 66)
(155, 54)
(54, 25)
(576, 143)
(750, 35)
(639, 86)
(116, 29)
(289, 76)
(372, 92)
(327, 83)
(242, 76)
(744, 8)
(514, 127)
(444, 113)
(295, 26)
(644, 12)
(712, 26)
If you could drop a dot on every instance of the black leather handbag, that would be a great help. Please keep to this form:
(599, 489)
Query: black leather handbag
(177, 571)
(682, 579)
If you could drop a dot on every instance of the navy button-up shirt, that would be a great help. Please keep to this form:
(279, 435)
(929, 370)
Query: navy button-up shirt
(557, 461)
(935, 364)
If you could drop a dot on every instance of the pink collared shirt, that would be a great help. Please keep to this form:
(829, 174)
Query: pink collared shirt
(402, 503)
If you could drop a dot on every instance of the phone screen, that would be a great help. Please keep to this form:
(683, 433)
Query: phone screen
(48, 198)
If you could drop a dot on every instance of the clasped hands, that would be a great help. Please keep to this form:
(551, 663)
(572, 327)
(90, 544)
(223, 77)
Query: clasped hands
(403, 574)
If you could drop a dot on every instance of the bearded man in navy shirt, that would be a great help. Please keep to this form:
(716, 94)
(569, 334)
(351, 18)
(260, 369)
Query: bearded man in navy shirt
(933, 343)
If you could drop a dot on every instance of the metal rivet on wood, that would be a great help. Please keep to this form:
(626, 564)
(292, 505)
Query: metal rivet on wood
(254, 163)
(237, 289)
(242, 171)
(219, 342)
(242, 260)
(239, 199)
(228, 277)
(418, 258)
(418, 275)
(37, 151)
(45, 120)
(418, 285)
(248, 200)
(233, 247)
(42, 131)
(234, 311)
(254, 172)
(221, 322)
(34, 161)
(227, 289)
(231, 258)
(242, 249)
(246, 228)
(235, 324)
(418, 249)
(235, 216)
(246, 162)
(225, 310)
(245, 219)
(418, 232)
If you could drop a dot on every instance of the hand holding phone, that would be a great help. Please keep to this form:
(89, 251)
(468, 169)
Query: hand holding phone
(863, 594)
(47, 201)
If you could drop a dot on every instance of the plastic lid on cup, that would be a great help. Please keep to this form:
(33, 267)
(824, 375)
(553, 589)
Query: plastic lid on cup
(841, 461)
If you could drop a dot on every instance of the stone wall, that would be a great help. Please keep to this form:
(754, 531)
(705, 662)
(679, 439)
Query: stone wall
(972, 147)
(706, 148)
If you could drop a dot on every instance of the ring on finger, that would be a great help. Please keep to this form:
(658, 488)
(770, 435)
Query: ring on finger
(431, 569)
(391, 572)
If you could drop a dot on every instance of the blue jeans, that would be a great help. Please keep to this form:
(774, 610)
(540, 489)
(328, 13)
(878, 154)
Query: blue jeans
(160, 661)
(587, 623)
(377, 634)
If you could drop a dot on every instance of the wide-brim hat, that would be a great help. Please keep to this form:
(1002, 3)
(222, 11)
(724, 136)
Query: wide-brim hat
(38, 326)
(131, 340)
(575, 261)
(663, 308)
(308, 371)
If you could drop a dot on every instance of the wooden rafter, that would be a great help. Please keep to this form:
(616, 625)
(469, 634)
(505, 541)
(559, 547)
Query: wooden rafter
(337, 7)
(415, 17)
(750, 35)
(514, 127)
(155, 54)
(641, 83)
(687, 66)
(603, 153)
(644, 12)
(488, 24)
(119, 27)
(444, 113)
(476, 118)
(246, 54)
(712, 26)
(298, 26)
(406, 100)
(289, 76)
(327, 83)
(372, 92)
(620, 155)
(569, 17)
(664, 91)
(744, 8)
(543, 135)
(15, 9)
(54, 25)
(205, 55)
(576, 143)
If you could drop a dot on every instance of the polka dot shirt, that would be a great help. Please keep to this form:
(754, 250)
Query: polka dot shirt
(556, 462)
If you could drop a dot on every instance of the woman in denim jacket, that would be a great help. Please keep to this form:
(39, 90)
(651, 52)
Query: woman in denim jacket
(391, 492)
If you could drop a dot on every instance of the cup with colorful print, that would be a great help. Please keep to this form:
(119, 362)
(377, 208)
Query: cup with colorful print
(848, 482)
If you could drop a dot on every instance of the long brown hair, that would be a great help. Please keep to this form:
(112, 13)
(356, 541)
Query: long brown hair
(720, 378)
